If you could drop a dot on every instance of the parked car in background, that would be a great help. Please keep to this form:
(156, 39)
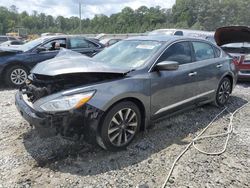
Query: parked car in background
(235, 40)
(16, 62)
(109, 41)
(4, 38)
(124, 88)
(12, 43)
(184, 32)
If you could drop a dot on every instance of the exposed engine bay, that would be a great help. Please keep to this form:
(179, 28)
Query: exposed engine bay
(38, 86)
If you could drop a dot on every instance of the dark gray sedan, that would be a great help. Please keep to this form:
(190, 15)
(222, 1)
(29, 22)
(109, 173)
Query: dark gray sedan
(107, 99)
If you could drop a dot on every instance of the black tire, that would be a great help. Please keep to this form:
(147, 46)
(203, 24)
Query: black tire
(223, 92)
(126, 129)
(10, 74)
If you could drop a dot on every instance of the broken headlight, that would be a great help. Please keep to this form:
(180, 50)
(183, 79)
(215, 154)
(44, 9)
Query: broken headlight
(66, 103)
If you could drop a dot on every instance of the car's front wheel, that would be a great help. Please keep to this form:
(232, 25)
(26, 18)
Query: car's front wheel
(120, 125)
(223, 92)
(16, 76)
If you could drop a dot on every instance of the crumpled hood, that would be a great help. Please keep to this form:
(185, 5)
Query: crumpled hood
(232, 34)
(75, 64)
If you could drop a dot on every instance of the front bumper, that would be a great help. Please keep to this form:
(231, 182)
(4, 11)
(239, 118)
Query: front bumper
(80, 122)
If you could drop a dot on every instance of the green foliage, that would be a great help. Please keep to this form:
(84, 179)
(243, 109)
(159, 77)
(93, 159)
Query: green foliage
(195, 14)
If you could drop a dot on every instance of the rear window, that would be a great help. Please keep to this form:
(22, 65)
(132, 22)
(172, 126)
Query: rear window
(203, 51)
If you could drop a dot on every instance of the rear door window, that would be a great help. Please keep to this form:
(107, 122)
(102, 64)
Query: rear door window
(81, 43)
(179, 52)
(203, 51)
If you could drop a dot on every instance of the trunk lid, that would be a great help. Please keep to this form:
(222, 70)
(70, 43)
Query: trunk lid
(232, 34)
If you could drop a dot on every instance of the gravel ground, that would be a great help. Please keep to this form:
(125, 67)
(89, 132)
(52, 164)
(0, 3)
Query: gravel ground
(29, 161)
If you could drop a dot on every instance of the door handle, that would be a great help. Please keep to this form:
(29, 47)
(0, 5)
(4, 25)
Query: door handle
(219, 65)
(192, 74)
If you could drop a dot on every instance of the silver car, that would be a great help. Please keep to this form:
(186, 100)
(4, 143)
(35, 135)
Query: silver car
(107, 99)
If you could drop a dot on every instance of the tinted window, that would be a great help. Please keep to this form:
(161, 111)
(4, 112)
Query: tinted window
(55, 44)
(180, 52)
(81, 43)
(3, 39)
(203, 51)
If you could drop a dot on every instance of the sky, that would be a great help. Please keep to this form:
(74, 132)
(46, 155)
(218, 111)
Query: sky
(68, 8)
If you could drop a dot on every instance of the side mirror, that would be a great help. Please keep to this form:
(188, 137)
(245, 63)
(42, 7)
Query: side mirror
(40, 49)
(167, 66)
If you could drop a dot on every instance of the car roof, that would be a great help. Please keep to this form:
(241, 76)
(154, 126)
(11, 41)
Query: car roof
(165, 38)
(186, 31)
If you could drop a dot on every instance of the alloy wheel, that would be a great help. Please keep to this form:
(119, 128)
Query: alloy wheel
(122, 127)
(18, 76)
(224, 92)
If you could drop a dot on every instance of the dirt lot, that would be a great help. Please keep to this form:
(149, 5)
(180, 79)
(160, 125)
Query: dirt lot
(28, 161)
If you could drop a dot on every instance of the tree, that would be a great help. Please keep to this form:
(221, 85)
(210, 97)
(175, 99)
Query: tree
(194, 14)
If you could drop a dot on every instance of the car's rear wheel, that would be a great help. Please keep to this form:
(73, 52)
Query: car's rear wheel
(223, 92)
(120, 126)
(16, 76)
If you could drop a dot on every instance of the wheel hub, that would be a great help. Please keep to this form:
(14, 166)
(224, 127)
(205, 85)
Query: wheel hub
(224, 92)
(122, 127)
(18, 76)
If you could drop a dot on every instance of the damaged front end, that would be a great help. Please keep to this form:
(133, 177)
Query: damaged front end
(75, 124)
(38, 86)
(58, 103)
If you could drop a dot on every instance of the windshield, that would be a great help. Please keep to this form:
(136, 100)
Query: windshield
(128, 54)
(237, 45)
(29, 45)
